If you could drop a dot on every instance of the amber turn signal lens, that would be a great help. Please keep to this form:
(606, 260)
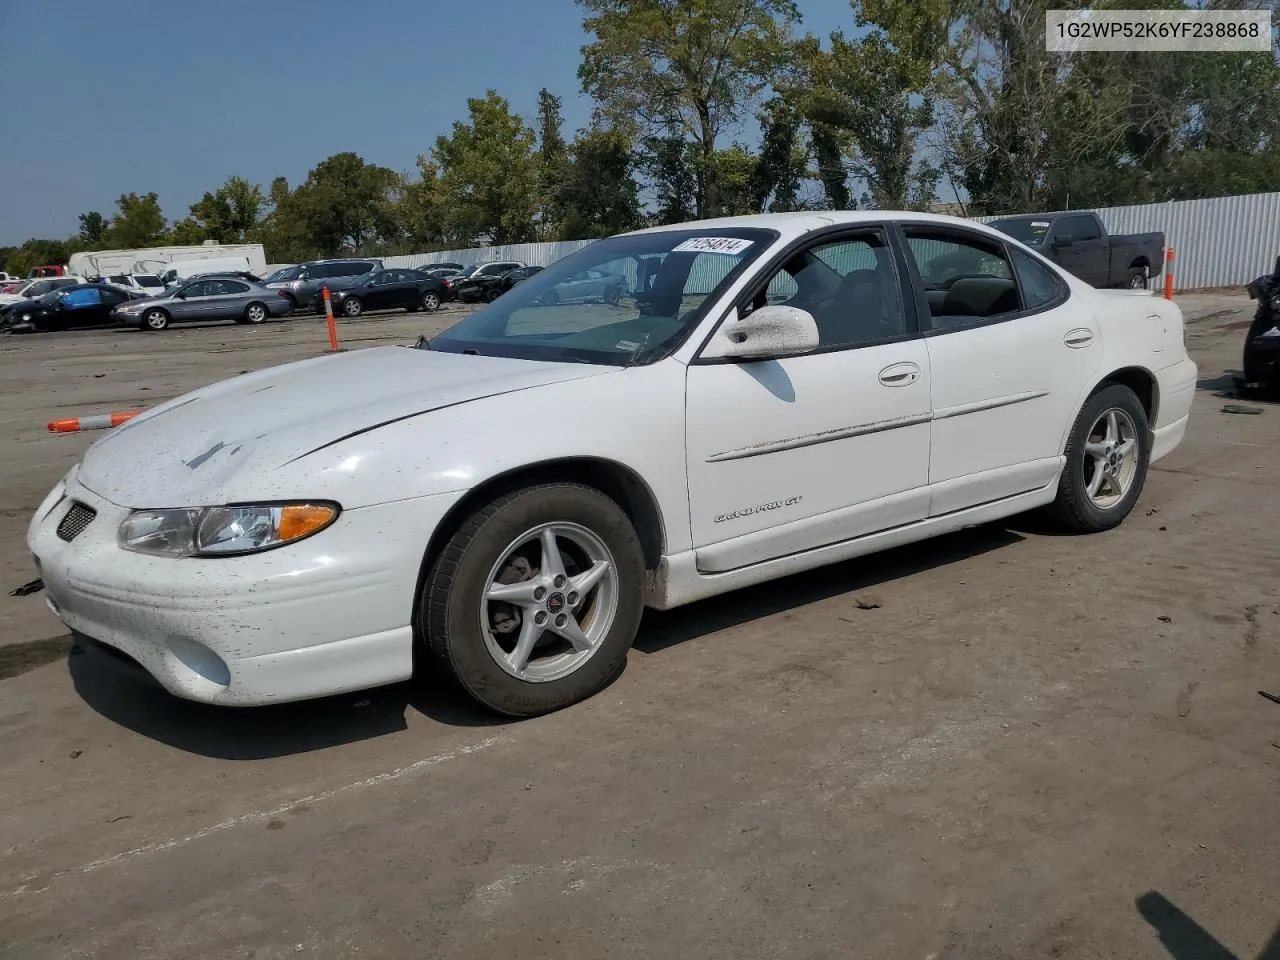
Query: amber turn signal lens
(300, 519)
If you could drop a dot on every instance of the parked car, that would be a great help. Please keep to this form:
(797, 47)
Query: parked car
(34, 289)
(204, 299)
(84, 305)
(489, 287)
(299, 285)
(588, 285)
(388, 290)
(1079, 243)
(362, 506)
(429, 268)
(226, 275)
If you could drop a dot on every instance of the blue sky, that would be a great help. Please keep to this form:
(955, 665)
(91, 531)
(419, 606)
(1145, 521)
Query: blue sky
(101, 99)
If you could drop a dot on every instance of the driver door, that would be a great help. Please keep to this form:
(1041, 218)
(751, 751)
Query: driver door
(791, 454)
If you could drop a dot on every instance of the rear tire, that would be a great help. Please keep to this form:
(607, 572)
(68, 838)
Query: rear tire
(1087, 503)
(430, 301)
(504, 539)
(1137, 278)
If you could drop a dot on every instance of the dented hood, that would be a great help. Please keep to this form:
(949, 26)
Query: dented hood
(222, 443)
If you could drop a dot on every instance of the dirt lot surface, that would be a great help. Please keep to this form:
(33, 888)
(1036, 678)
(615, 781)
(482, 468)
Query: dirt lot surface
(1034, 746)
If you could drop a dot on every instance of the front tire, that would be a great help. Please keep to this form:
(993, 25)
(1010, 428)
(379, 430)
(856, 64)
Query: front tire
(492, 294)
(352, 307)
(535, 600)
(155, 320)
(1107, 457)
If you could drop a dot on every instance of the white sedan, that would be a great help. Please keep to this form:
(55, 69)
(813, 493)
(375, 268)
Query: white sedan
(769, 394)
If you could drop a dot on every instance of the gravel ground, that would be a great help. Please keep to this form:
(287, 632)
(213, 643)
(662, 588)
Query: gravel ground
(1029, 745)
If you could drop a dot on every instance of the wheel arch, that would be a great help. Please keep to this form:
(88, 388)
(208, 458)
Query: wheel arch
(1142, 260)
(1138, 379)
(1142, 382)
(616, 481)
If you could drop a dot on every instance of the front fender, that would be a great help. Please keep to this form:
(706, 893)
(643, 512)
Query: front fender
(630, 417)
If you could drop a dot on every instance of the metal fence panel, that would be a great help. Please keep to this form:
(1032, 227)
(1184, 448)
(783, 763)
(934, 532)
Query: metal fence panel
(1218, 242)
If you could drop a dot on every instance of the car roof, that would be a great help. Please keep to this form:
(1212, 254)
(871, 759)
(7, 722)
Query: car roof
(796, 224)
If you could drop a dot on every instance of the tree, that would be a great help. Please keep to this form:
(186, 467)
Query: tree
(775, 182)
(229, 213)
(93, 229)
(879, 94)
(683, 68)
(139, 222)
(669, 162)
(36, 252)
(553, 162)
(344, 204)
(488, 174)
(598, 196)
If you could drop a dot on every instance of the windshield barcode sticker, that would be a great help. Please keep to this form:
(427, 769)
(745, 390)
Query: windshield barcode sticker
(729, 245)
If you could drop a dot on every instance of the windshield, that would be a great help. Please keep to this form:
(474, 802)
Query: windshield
(622, 301)
(1030, 232)
(145, 281)
(284, 273)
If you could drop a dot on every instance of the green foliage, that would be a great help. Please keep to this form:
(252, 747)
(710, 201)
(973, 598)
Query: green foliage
(93, 229)
(139, 222)
(230, 213)
(488, 174)
(687, 69)
(598, 195)
(36, 253)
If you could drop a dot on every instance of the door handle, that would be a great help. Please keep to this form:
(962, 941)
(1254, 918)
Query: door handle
(899, 374)
(1078, 338)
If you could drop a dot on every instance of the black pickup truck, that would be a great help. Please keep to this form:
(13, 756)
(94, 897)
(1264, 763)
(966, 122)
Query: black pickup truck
(1079, 243)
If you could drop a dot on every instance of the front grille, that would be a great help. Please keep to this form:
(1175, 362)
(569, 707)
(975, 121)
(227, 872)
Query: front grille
(77, 518)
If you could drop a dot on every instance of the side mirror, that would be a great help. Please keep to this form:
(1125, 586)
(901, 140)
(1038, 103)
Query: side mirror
(774, 330)
(1062, 240)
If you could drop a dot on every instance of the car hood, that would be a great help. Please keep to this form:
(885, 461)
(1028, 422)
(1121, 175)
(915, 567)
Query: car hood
(224, 442)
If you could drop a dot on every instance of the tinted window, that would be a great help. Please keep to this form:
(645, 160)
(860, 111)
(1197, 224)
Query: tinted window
(201, 288)
(1078, 228)
(354, 269)
(964, 279)
(1040, 285)
(232, 286)
(850, 287)
(112, 297)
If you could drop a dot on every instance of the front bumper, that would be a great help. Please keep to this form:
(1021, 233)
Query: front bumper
(330, 614)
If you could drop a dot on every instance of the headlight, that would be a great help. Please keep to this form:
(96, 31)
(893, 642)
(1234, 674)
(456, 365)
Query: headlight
(223, 531)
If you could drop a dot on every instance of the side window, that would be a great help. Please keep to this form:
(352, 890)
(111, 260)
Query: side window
(384, 278)
(965, 280)
(357, 269)
(850, 286)
(112, 297)
(233, 286)
(1040, 285)
(198, 289)
(1082, 228)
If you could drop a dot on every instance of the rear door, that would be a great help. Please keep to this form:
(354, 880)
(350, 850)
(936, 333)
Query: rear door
(1010, 354)
(227, 299)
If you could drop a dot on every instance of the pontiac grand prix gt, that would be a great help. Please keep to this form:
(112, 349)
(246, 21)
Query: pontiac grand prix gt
(769, 394)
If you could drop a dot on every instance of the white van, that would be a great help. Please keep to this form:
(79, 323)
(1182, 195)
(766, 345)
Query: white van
(182, 269)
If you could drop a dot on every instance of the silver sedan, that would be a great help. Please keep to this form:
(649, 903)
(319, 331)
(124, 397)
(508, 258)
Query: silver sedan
(208, 299)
